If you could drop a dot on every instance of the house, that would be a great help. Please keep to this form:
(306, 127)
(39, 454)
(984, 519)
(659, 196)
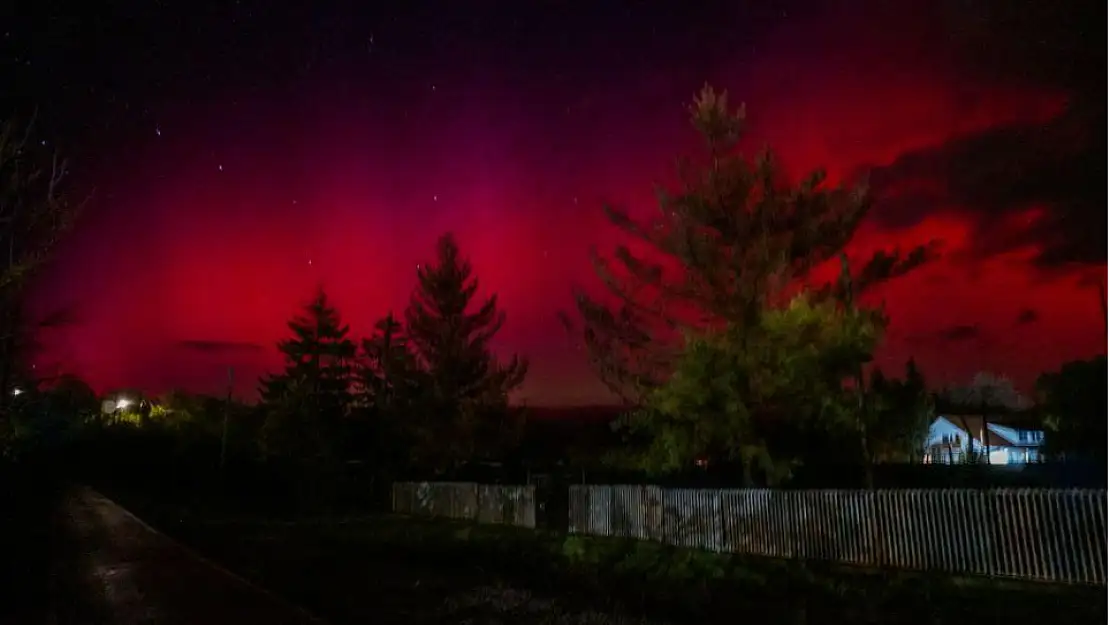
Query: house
(1005, 444)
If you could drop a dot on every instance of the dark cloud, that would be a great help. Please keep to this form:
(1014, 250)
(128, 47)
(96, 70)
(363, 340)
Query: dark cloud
(59, 317)
(219, 347)
(994, 175)
(1059, 166)
(960, 333)
(1027, 315)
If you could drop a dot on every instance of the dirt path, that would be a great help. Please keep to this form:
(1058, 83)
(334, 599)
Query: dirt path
(136, 575)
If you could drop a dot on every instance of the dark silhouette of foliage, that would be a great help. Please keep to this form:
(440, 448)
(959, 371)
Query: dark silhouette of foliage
(389, 393)
(1072, 403)
(901, 411)
(34, 214)
(308, 401)
(465, 412)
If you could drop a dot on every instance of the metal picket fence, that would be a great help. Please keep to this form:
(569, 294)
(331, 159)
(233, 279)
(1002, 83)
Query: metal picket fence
(484, 503)
(1046, 535)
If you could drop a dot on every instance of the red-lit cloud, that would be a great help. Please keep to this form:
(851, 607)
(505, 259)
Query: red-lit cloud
(229, 224)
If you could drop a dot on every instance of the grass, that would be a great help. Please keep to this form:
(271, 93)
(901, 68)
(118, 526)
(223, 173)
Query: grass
(384, 567)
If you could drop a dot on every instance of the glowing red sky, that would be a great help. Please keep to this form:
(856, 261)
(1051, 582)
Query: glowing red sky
(219, 208)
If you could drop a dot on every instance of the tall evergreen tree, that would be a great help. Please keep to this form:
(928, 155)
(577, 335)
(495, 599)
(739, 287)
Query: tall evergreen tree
(388, 367)
(310, 398)
(468, 390)
(721, 330)
(733, 242)
(388, 386)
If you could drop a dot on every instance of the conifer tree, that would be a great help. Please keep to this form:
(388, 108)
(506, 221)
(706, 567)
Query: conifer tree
(388, 387)
(732, 243)
(309, 399)
(467, 412)
(388, 367)
(720, 332)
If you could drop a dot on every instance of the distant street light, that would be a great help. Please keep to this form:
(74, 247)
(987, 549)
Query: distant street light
(122, 403)
(16, 392)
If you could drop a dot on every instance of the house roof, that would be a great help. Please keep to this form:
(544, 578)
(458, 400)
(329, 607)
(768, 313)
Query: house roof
(997, 434)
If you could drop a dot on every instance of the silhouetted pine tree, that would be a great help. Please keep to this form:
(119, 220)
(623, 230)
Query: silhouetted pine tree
(465, 407)
(388, 388)
(309, 399)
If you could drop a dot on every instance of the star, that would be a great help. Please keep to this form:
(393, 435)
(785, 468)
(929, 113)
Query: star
(435, 198)
(158, 131)
(220, 167)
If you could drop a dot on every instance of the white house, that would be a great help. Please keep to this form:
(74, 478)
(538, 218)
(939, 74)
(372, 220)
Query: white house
(947, 442)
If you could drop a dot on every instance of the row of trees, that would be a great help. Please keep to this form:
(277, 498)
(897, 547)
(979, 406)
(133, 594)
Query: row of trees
(425, 391)
(722, 338)
(737, 333)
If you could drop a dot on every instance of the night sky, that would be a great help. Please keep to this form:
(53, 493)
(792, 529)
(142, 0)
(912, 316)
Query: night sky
(243, 152)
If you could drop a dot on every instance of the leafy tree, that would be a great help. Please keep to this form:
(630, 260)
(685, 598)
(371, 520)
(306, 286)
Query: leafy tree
(467, 411)
(765, 398)
(34, 213)
(729, 254)
(308, 401)
(1074, 410)
(900, 414)
(733, 242)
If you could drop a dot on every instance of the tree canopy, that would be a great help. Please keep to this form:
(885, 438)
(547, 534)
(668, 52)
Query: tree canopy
(734, 241)
(722, 332)
(1074, 409)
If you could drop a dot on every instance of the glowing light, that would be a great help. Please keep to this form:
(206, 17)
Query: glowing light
(122, 403)
(1000, 456)
(17, 392)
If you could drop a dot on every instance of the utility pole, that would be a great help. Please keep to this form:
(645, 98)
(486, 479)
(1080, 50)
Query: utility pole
(227, 414)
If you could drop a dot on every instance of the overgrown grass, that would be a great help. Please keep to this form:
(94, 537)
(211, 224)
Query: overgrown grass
(613, 575)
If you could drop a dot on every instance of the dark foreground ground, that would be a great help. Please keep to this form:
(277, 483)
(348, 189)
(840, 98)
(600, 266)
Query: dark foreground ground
(79, 558)
(388, 569)
(105, 566)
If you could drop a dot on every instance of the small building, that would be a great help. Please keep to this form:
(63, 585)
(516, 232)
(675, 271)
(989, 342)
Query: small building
(992, 443)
